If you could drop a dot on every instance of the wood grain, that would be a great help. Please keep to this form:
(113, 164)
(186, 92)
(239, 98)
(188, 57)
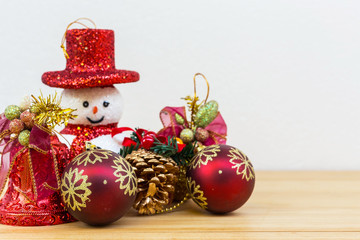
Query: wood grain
(284, 205)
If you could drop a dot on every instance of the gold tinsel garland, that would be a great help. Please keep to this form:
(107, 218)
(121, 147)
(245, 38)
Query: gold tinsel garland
(48, 111)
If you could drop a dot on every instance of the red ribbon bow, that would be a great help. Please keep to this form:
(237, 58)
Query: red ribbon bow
(40, 157)
(217, 128)
(145, 137)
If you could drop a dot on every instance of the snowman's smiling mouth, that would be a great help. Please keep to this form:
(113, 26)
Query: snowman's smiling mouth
(95, 121)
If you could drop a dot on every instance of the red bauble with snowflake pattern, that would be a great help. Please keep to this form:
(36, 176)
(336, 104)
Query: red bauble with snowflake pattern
(98, 187)
(220, 178)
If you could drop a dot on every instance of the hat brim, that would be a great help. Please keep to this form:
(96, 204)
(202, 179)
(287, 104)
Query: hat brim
(77, 80)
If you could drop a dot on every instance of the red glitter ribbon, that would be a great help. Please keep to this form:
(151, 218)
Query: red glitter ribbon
(217, 128)
(41, 161)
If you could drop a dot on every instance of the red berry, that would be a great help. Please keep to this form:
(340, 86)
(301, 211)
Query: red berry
(147, 142)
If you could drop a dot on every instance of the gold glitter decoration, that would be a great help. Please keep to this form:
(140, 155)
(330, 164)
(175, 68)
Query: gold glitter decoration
(187, 135)
(92, 156)
(12, 112)
(34, 109)
(206, 114)
(193, 106)
(74, 189)
(16, 126)
(196, 194)
(27, 116)
(202, 113)
(49, 112)
(242, 164)
(126, 176)
(24, 137)
(179, 119)
(204, 156)
(201, 134)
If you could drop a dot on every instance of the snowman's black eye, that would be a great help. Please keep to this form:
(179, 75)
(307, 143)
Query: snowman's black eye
(106, 104)
(85, 104)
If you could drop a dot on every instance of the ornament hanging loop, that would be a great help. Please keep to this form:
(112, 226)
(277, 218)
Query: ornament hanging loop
(78, 21)
(207, 83)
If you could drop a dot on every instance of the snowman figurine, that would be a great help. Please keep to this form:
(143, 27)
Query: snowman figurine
(88, 81)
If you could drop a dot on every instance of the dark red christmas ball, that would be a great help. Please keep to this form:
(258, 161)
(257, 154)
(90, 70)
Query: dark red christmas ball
(220, 178)
(98, 187)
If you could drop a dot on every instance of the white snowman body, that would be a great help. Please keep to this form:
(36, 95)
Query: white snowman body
(95, 107)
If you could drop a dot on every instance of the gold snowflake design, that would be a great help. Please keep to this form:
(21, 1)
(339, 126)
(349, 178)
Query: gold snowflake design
(196, 194)
(92, 156)
(74, 189)
(126, 175)
(204, 156)
(242, 164)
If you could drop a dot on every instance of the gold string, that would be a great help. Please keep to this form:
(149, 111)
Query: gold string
(207, 83)
(56, 167)
(31, 146)
(172, 208)
(45, 129)
(32, 175)
(67, 28)
(4, 134)
(195, 100)
(11, 166)
(186, 197)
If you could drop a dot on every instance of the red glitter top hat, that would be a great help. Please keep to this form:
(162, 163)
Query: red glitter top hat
(90, 62)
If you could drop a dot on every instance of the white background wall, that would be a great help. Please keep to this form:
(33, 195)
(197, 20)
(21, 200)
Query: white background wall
(285, 73)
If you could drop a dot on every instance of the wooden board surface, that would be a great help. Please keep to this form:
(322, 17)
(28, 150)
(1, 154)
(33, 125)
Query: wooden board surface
(284, 205)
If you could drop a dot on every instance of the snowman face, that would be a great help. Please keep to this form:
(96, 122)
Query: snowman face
(94, 106)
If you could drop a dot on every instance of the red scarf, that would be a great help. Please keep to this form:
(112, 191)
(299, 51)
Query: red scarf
(85, 133)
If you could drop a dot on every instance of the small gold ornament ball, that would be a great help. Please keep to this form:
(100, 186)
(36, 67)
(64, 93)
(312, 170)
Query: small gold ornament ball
(187, 135)
(24, 137)
(201, 134)
(28, 119)
(199, 147)
(16, 126)
(179, 141)
(27, 116)
(34, 109)
(12, 112)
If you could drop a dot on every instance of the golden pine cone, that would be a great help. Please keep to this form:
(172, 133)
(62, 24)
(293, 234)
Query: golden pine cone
(157, 177)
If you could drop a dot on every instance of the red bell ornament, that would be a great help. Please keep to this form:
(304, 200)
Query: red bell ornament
(220, 178)
(98, 187)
